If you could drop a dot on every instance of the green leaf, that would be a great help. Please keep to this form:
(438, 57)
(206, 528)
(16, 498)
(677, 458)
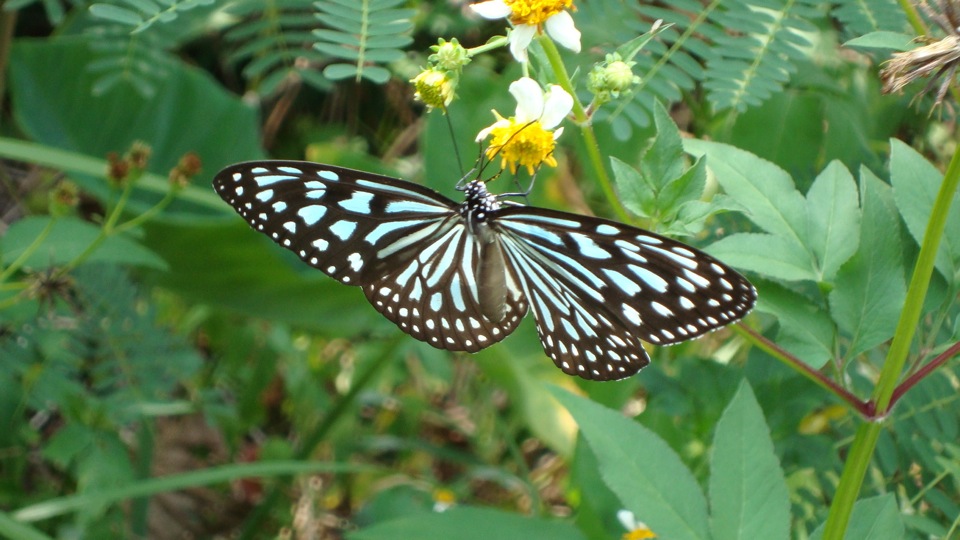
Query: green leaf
(243, 271)
(117, 14)
(67, 443)
(870, 288)
(915, 184)
(806, 330)
(52, 97)
(662, 162)
(661, 186)
(634, 191)
(883, 40)
(466, 523)
(766, 190)
(336, 72)
(67, 239)
(645, 473)
(764, 254)
(833, 220)
(876, 518)
(748, 493)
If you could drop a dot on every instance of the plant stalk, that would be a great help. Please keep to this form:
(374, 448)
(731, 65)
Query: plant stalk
(586, 129)
(865, 440)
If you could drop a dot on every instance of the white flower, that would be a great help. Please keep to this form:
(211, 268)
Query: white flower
(528, 137)
(530, 17)
(636, 530)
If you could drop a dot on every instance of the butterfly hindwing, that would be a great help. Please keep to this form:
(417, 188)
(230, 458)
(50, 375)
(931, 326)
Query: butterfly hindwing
(435, 297)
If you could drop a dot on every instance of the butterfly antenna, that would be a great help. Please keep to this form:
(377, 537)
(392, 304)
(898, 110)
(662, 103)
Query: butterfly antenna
(453, 139)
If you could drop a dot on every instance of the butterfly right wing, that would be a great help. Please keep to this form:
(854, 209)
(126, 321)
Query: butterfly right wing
(352, 225)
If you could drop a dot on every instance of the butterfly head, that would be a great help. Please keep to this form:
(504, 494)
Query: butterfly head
(477, 204)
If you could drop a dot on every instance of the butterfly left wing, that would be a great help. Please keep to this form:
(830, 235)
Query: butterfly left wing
(405, 244)
(598, 287)
(352, 225)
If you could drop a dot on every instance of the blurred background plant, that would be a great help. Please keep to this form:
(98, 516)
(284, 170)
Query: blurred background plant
(165, 372)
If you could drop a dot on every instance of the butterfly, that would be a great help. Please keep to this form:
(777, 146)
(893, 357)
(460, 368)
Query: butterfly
(461, 276)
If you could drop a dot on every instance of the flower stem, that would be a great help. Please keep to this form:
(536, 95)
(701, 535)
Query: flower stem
(865, 440)
(586, 129)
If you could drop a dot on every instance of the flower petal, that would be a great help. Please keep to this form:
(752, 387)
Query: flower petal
(627, 519)
(557, 106)
(520, 38)
(501, 122)
(560, 27)
(529, 98)
(557, 133)
(493, 9)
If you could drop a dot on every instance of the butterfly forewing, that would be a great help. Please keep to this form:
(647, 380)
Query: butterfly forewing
(353, 226)
(405, 244)
(597, 287)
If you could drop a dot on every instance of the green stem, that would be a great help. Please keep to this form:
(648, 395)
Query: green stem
(865, 440)
(149, 214)
(494, 43)
(586, 129)
(105, 231)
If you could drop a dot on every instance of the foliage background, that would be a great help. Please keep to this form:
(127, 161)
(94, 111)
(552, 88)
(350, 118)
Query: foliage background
(189, 349)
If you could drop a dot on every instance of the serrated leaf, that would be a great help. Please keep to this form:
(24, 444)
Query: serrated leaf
(764, 254)
(833, 220)
(663, 160)
(806, 330)
(466, 523)
(635, 194)
(876, 518)
(915, 184)
(748, 494)
(653, 483)
(870, 288)
(686, 188)
(767, 190)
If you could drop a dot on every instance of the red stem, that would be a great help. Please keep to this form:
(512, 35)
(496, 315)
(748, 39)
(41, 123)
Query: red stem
(863, 407)
(912, 380)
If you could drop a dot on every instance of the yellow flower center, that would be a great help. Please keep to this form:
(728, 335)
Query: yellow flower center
(640, 533)
(535, 12)
(526, 144)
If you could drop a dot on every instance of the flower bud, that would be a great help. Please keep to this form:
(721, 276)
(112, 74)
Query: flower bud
(434, 88)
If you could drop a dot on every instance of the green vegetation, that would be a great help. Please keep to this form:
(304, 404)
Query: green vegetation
(166, 372)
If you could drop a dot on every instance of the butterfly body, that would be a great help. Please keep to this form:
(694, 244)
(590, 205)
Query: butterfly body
(462, 276)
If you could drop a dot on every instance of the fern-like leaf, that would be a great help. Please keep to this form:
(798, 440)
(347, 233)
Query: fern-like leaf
(142, 14)
(758, 54)
(364, 32)
(274, 42)
(860, 17)
(137, 60)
